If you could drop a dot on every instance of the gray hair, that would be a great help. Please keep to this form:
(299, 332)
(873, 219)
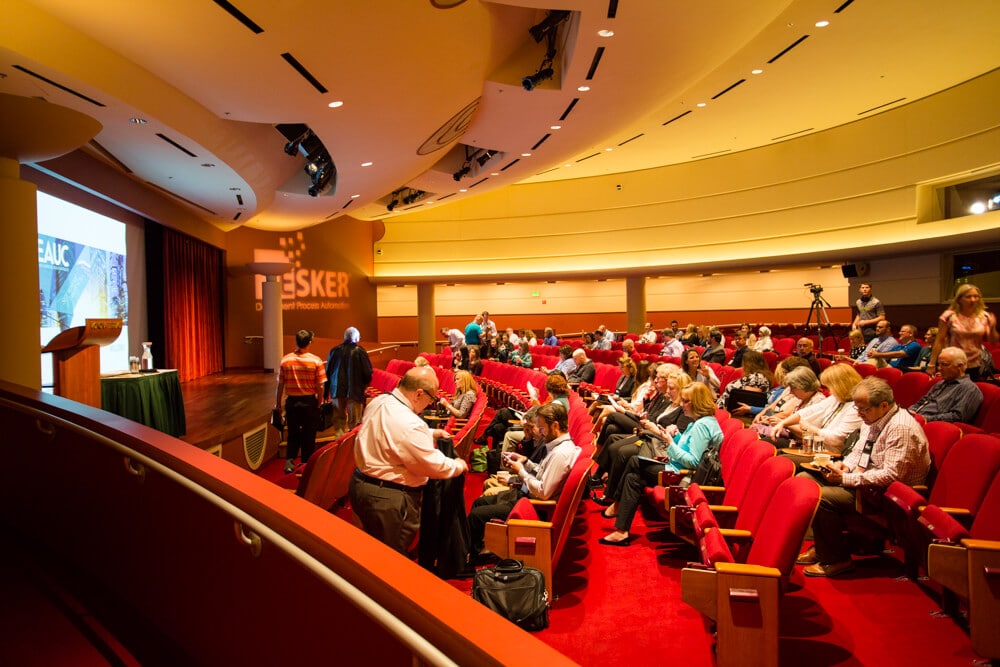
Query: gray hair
(877, 389)
(802, 378)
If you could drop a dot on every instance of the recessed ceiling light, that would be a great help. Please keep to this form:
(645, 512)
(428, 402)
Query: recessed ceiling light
(606, 33)
(701, 104)
(757, 71)
(367, 164)
(555, 127)
(335, 104)
(822, 24)
(494, 173)
(463, 190)
(525, 154)
(355, 196)
(137, 121)
(583, 89)
(609, 149)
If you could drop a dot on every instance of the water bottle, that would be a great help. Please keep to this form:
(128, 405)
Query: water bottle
(146, 360)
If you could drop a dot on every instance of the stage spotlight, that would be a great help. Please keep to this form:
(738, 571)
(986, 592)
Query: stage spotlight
(464, 171)
(322, 174)
(531, 82)
(485, 157)
(549, 24)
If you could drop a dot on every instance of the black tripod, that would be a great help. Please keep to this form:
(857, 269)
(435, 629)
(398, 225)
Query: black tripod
(819, 306)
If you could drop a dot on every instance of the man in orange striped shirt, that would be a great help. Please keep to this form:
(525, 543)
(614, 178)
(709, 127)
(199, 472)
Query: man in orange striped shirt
(301, 376)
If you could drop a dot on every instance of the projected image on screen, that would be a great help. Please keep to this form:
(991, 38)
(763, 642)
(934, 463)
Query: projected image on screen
(81, 274)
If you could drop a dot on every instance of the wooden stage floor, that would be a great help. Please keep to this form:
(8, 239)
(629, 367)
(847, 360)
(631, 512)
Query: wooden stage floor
(224, 405)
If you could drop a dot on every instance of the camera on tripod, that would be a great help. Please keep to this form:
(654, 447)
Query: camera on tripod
(814, 288)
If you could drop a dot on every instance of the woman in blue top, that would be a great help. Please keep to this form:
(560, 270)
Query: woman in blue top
(684, 452)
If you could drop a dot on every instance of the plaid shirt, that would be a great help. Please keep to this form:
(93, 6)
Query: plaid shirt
(899, 452)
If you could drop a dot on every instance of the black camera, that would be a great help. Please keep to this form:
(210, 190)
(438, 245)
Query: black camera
(814, 288)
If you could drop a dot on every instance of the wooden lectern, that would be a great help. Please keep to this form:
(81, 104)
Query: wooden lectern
(76, 359)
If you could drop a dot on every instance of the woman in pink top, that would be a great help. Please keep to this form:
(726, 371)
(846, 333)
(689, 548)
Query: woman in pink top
(967, 325)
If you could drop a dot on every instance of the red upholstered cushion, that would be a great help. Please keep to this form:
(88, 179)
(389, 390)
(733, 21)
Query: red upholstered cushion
(523, 510)
(704, 519)
(942, 525)
(714, 549)
(695, 496)
(903, 496)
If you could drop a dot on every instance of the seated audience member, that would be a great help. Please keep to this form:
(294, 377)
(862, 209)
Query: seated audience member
(804, 348)
(609, 336)
(558, 391)
(566, 364)
(512, 336)
(740, 344)
(522, 355)
(714, 353)
(625, 386)
(456, 338)
(542, 481)
(525, 440)
(779, 392)
(602, 339)
(683, 452)
(648, 335)
(764, 342)
(956, 398)
(529, 336)
(858, 345)
(749, 335)
(882, 342)
(831, 419)
(460, 361)
(756, 376)
(699, 370)
(466, 391)
(550, 338)
(655, 436)
(651, 405)
(504, 348)
(421, 361)
(925, 352)
(904, 354)
(891, 447)
(475, 363)
(690, 337)
(643, 383)
(671, 346)
(803, 385)
(628, 347)
(584, 371)
(589, 342)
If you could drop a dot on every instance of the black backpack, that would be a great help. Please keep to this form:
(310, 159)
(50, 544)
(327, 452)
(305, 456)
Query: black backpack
(515, 592)
(709, 471)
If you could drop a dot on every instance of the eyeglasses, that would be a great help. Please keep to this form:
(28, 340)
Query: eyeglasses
(864, 410)
(431, 395)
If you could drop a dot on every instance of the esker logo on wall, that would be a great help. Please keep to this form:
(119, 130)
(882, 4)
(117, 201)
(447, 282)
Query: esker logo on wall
(304, 287)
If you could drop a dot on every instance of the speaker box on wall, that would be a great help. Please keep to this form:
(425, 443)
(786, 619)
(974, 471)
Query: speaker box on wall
(854, 270)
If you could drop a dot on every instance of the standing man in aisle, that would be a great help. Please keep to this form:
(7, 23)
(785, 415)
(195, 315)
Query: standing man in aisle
(349, 371)
(870, 312)
(396, 455)
(302, 377)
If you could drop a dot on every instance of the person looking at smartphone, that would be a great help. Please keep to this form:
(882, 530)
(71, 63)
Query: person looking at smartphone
(542, 481)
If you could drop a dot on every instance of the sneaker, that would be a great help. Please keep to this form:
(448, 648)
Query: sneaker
(289, 466)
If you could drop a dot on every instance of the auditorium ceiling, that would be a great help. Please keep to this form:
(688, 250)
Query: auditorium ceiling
(424, 102)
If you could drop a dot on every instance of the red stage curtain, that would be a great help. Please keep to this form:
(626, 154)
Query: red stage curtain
(192, 300)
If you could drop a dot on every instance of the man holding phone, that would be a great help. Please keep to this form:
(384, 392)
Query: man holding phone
(542, 481)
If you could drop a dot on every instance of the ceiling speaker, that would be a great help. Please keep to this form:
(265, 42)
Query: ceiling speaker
(854, 270)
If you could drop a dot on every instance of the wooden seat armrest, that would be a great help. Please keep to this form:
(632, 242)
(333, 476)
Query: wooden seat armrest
(529, 523)
(960, 514)
(981, 545)
(744, 569)
(922, 489)
(718, 509)
(543, 503)
(948, 565)
(736, 535)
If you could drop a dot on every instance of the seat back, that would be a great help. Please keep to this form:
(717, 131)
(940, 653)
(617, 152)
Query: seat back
(988, 417)
(762, 486)
(890, 374)
(732, 448)
(730, 427)
(568, 503)
(783, 346)
(986, 525)
(784, 524)
(398, 366)
(383, 382)
(751, 459)
(941, 436)
(910, 388)
(967, 472)
(328, 471)
(865, 370)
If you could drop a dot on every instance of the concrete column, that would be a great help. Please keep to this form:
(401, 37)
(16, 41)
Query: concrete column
(270, 296)
(426, 316)
(635, 303)
(20, 345)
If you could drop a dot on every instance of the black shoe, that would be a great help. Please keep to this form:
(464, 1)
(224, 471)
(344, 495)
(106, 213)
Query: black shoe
(623, 543)
(604, 501)
(484, 558)
(595, 482)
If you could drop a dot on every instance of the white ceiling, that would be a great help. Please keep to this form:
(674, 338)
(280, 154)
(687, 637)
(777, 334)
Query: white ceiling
(417, 77)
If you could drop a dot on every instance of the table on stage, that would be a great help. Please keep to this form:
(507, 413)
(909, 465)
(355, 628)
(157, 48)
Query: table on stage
(153, 399)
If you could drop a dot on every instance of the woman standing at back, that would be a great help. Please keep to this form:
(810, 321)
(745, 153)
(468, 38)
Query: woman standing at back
(966, 325)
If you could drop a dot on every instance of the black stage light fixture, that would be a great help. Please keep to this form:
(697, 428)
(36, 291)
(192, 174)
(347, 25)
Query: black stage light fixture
(292, 147)
(485, 157)
(464, 171)
(531, 82)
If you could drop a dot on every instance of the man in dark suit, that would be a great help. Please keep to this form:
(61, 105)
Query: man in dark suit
(740, 343)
